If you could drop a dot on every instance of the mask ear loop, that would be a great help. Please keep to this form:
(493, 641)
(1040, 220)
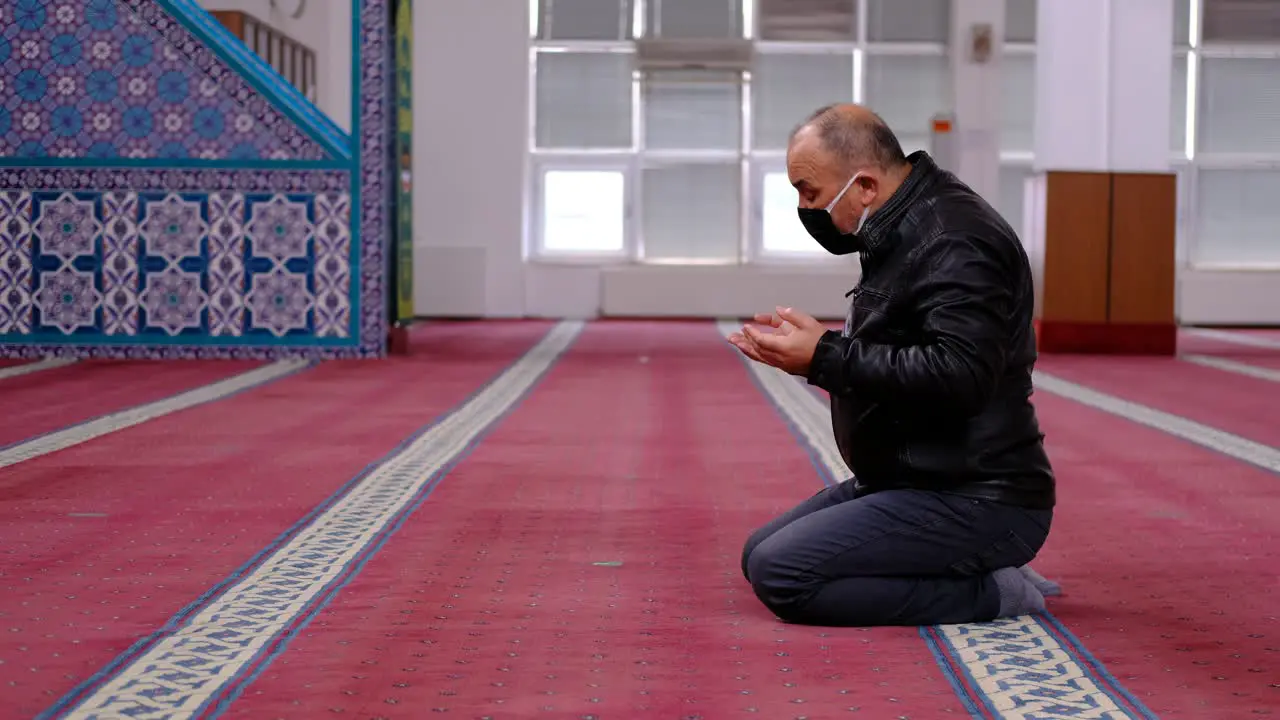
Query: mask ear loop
(843, 190)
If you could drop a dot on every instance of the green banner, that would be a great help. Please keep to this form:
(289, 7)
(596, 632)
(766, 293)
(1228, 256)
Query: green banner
(403, 262)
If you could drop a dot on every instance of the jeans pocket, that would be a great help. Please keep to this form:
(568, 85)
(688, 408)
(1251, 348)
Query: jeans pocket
(1009, 551)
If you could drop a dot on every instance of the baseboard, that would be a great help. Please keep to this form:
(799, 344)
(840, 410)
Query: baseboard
(1106, 338)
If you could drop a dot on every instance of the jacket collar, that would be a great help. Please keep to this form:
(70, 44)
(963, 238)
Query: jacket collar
(879, 230)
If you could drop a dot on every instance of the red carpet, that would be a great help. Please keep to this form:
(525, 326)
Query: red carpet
(51, 399)
(583, 562)
(1168, 554)
(101, 544)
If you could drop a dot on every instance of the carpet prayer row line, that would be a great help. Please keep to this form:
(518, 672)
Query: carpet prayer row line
(528, 519)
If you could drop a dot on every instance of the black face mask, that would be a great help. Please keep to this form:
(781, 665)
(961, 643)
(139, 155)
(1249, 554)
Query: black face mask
(821, 227)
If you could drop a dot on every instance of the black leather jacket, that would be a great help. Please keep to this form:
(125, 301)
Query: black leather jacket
(930, 381)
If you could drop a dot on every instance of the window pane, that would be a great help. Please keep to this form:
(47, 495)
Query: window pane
(583, 100)
(1009, 203)
(1018, 103)
(694, 18)
(1239, 105)
(585, 20)
(693, 112)
(1182, 21)
(782, 231)
(1020, 20)
(908, 20)
(785, 89)
(807, 20)
(692, 211)
(1239, 21)
(583, 210)
(1237, 216)
(907, 91)
(1178, 105)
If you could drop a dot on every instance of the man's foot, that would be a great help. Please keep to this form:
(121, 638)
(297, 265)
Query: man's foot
(1047, 587)
(1018, 595)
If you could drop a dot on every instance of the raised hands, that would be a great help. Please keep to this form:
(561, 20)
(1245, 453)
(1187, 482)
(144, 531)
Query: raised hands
(786, 340)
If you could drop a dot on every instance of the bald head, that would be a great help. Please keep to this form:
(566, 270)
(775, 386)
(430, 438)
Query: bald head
(852, 135)
(846, 159)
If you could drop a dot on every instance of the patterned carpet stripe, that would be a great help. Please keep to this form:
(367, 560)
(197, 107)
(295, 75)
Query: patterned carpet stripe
(1014, 669)
(192, 668)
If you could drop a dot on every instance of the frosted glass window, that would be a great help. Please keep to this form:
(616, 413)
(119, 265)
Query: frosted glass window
(1020, 20)
(702, 112)
(693, 18)
(1237, 218)
(1009, 202)
(807, 20)
(584, 19)
(783, 234)
(1182, 22)
(583, 211)
(583, 100)
(1018, 102)
(692, 211)
(1239, 105)
(1240, 21)
(907, 91)
(1178, 105)
(908, 20)
(785, 89)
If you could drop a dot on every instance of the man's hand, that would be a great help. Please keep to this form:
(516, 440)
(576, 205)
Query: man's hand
(787, 340)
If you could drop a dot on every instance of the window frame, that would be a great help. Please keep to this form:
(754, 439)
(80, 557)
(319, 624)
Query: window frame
(541, 164)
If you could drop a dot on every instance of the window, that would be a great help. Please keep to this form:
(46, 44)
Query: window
(1178, 104)
(1018, 102)
(782, 232)
(582, 19)
(583, 100)
(786, 88)
(693, 112)
(693, 18)
(908, 21)
(1236, 217)
(831, 21)
(910, 114)
(1020, 21)
(691, 211)
(1009, 203)
(583, 211)
(1239, 105)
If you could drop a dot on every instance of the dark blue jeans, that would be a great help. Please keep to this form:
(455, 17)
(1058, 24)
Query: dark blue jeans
(896, 557)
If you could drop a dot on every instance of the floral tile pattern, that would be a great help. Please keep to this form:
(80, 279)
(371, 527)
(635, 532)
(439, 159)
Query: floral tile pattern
(173, 264)
(94, 78)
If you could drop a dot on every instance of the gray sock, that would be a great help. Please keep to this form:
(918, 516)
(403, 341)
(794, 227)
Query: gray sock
(1018, 595)
(1047, 587)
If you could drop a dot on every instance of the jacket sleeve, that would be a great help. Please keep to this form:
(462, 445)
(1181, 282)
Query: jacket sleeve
(963, 299)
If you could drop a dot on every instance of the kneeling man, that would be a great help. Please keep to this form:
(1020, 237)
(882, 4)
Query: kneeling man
(930, 385)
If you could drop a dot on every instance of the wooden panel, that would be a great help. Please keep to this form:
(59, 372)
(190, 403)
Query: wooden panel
(232, 19)
(1144, 215)
(1076, 239)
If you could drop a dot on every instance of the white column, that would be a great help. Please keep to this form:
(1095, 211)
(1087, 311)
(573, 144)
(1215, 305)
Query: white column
(976, 88)
(1103, 75)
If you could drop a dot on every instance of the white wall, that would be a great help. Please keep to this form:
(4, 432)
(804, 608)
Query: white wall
(325, 27)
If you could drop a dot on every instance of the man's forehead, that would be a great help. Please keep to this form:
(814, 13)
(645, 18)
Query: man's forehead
(805, 160)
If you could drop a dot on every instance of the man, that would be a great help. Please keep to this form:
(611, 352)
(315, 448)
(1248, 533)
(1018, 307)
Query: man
(930, 386)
